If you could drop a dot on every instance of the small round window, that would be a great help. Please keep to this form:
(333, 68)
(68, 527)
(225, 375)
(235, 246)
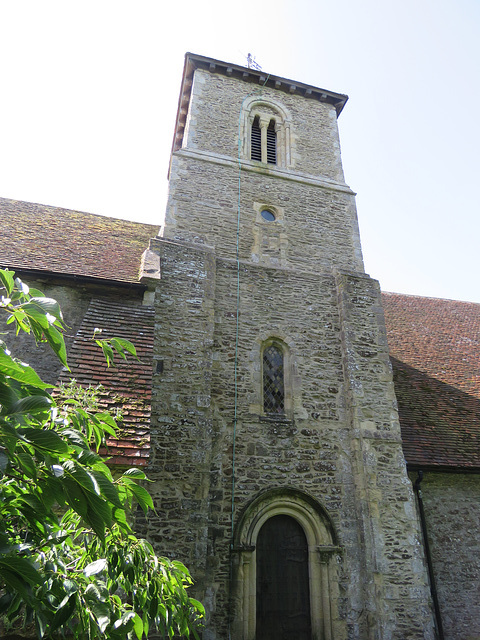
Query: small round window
(267, 215)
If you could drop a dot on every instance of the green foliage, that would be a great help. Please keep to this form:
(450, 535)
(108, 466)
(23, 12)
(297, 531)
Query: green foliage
(70, 564)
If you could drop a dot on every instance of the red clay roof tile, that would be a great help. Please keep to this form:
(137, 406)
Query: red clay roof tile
(127, 385)
(435, 352)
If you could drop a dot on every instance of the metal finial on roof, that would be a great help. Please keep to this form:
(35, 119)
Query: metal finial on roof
(252, 63)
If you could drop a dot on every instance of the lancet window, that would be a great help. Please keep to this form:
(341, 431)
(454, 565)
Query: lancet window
(273, 380)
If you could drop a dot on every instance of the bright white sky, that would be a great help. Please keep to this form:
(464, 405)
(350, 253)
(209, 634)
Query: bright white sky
(89, 93)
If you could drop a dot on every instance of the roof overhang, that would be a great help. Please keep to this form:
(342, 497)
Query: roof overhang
(75, 278)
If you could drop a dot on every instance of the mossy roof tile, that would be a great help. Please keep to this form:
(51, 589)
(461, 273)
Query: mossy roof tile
(52, 239)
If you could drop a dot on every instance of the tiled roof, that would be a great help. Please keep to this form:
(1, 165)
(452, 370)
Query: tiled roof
(38, 237)
(127, 384)
(435, 352)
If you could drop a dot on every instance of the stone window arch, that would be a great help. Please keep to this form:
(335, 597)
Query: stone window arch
(322, 553)
(292, 365)
(266, 132)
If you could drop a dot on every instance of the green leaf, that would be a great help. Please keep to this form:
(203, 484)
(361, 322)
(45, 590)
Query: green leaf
(4, 460)
(198, 606)
(6, 277)
(101, 612)
(35, 314)
(12, 580)
(45, 305)
(34, 502)
(56, 341)
(46, 439)
(82, 476)
(65, 611)
(27, 462)
(23, 567)
(107, 351)
(31, 404)
(95, 567)
(40, 625)
(146, 623)
(36, 292)
(118, 348)
(75, 437)
(108, 489)
(106, 418)
(143, 497)
(100, 508)
(136, 473)
(8, 395)
(126, 345)
(5, 602)
(75, 496)
(124, 620)
(138, 626)
(21, 372)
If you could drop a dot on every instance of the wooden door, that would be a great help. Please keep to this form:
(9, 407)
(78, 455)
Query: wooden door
(283, 594)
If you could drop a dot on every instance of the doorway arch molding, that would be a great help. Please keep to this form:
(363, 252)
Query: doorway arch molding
(323, 547)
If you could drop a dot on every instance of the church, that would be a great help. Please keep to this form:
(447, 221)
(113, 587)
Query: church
(312, 442)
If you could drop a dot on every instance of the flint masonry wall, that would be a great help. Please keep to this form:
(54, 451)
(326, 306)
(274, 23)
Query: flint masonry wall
(301, 281)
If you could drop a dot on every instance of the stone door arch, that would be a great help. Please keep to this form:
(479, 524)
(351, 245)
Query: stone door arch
(322, 548)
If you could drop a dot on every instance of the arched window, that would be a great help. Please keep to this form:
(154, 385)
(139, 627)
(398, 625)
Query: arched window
(273, 380)
(271, 143)
(263, 141)
(265, 131)
(256, 142)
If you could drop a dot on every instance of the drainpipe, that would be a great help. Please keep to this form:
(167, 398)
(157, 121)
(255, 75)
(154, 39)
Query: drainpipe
(423, 524)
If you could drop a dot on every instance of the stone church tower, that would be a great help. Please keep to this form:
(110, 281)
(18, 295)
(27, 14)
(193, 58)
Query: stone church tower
(277, 463)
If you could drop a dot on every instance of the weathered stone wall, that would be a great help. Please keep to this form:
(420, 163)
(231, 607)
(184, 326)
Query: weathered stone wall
(339, 442)
(452, 510)
(181, 399)
(316, 226)
(300, 281)
(394, 580)
(214, 118)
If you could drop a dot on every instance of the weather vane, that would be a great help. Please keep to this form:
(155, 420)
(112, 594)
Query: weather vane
(252, 63)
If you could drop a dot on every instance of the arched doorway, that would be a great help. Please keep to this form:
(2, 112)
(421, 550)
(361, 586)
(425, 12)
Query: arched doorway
(284, 535)
(283, 591)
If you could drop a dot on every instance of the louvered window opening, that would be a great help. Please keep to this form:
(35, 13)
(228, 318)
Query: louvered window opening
(256, 140)
(271, 143)
(273, 381)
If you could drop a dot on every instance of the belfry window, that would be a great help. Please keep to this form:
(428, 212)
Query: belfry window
(271, 143)
(273, 380)
(256, 140)
(266, 132)
(263, 141)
